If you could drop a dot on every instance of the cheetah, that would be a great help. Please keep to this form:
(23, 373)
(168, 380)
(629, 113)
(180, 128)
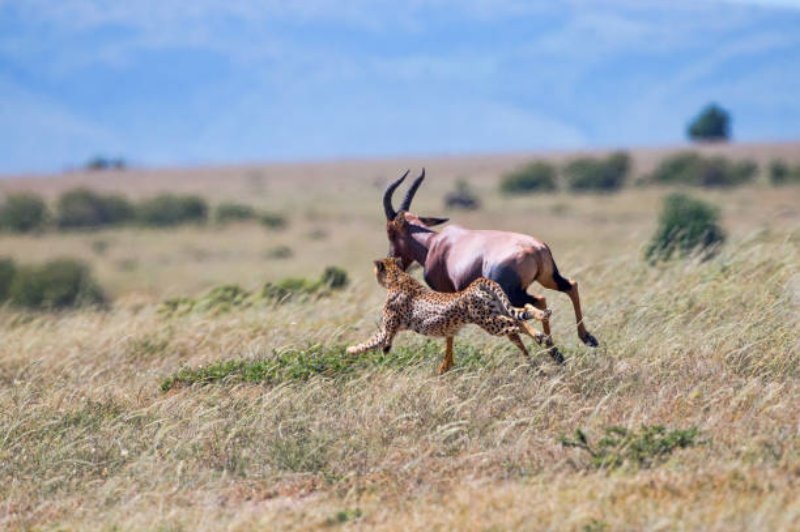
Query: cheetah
(411, 306)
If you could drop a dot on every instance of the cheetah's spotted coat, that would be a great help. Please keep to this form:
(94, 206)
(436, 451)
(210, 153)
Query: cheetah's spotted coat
(411, 306)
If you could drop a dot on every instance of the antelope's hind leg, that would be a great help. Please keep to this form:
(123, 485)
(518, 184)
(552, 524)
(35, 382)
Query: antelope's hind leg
(447, 363)
(556, 281)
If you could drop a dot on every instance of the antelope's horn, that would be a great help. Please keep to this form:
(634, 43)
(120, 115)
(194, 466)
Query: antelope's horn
(412, 190)
(387, 197)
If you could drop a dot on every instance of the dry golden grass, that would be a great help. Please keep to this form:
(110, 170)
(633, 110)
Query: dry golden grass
(89, 441)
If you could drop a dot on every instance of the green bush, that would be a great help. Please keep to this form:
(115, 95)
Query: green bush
(713, 123)
(177, 306)
(462, 197)
(23, 212)
(689, 168)
(7, 271)
(224, 298)
(169, 209)
(289, 288)
(233, 212)
(57, 284)
(535, 177)
(272, 221)
(334, 278)
(84, 208)
(643, 448)
(227, 297)
(686, 225)
(588, 174)
(782, 174)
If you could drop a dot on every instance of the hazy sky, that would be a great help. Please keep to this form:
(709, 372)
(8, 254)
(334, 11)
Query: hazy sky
(174, 82)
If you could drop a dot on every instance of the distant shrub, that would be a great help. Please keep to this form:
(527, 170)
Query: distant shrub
(588, 174)
(23, 212)
(227, 297)
(334, 278)
(7, 271)
(317, 234)
(84, 208)
(686, 225)
(170, 209)
(289, 288)
(105, 163)
(100, 246)
(57, 284)
(689, 168)
(176, 306)
(713, 123)
(643, 448)
(233, 212)
(278, 252)
(272, 221)
(224, 298)
(218, 300)
(535, 177)
(781, 173)
(462, 197)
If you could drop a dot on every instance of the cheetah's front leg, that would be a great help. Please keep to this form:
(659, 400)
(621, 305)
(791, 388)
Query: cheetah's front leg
(378, 339)
(382, 338)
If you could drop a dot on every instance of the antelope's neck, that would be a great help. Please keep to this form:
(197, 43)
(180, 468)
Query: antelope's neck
(421, 242)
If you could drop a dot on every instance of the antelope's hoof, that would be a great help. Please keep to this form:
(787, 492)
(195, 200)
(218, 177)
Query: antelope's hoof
(443, 369)
(556, 355)
(590, 340)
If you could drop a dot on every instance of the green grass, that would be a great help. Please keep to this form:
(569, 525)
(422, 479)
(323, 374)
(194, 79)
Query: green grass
(300, 364)
(644, 448)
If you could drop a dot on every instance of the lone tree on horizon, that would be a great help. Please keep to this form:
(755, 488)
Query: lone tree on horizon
(711, 125)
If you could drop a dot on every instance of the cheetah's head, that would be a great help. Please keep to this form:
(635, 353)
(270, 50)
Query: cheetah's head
(388, 271)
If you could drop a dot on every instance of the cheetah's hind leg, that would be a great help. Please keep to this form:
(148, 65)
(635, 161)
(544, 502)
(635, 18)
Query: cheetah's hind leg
(538, 314)
(447, 363)
(544, 340)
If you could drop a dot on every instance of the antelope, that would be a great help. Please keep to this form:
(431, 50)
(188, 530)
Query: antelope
(456, 256)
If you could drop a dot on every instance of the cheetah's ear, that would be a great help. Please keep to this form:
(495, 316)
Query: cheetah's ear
(397, 262)
(379, 265)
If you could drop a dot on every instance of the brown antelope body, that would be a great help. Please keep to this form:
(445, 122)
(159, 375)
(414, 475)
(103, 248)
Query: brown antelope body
(456, 256)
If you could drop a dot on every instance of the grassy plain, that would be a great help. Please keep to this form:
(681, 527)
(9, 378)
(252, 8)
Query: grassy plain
(89, 440)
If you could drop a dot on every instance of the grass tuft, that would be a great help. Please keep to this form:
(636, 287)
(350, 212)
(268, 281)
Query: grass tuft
(316, 360)
(343, 516)
(644, 448)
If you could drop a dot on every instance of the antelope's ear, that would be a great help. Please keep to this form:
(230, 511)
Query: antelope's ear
(430, 221)
(379, 265)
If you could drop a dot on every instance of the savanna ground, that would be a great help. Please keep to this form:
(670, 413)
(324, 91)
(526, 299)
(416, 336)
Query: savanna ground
(89, 440)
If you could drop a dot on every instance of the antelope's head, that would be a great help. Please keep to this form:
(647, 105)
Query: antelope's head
(401, 225)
